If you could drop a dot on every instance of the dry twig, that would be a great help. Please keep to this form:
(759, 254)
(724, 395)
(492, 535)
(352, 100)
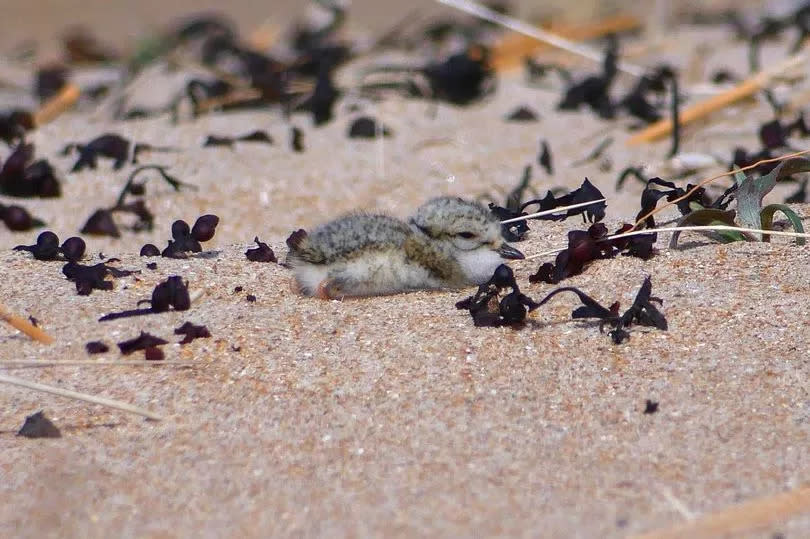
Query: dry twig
(740, 518)
(552, 39)
(512, 49)
(25, 326)
(701, 183)
(24, 363)
(56, 105)
(745, 89)
(110, 403)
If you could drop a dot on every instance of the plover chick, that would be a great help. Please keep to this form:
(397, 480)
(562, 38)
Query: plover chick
(448, 243)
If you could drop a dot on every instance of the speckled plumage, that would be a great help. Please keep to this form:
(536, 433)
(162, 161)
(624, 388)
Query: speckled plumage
(448, 242)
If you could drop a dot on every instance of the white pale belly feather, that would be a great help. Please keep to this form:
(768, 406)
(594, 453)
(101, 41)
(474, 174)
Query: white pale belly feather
(479, 264)
(371, 274)
(309, 276)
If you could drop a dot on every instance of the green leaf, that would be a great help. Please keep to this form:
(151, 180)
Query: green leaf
(706, 218)
(766, 216)
(752, 190)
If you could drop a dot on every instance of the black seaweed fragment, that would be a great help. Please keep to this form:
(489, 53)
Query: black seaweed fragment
(153, 353)
(141, 342)
(254, 136)
(96, 347)
(89, 278)
(522, 114)
(297, 139)
(14, 124)
(637, 102)
(641, 312)
(149, 250)
(515, 207)
(322, 99)
(173, 292)
(39, 426)
(514, 200)
(585, 246)
(366, 127)
(18, 219)
(462, 78)
(109, 145)
(187, 240)
(261, 253)
(21, 178)
(650, 197)
(102, 222)
(49, 80)
(594, 91)
(47, 248)
(73, 249)
(191, 332)
(488, 311)
(587, 192)
(544, 158)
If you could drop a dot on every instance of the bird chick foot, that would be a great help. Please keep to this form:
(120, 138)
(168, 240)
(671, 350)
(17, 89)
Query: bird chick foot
(328, 289)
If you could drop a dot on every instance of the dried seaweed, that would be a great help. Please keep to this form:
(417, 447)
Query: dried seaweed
(587, 192)
(187, 240)
(522, 114)
(14, 124)
(585, 246)
(254, 136)
(192, 332)
(141, 342)
(261, 253)
(19, 177)
(171, 293)
(544, 158)
(642, 312)
(487, 310)
(102, 221)
(17, 218)
(96, 347)
(594, 91)
(367, 128)
(47, 248)
(39, 426)
(89, 278)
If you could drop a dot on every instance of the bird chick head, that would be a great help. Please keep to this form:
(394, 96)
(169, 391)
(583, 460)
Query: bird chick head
(468, 232)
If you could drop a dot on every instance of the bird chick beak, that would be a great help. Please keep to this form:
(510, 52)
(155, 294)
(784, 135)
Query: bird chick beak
(510, 253)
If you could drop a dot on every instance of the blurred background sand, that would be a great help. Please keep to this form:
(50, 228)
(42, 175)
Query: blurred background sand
(120, 21)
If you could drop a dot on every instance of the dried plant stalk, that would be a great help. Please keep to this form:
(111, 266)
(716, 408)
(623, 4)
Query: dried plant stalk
(25, 326)
(110, 403)
(512, 49)
(56, 105)
(554, 40)
(25, 363)
(701, 183)
(745, 89)
(740, 518)
(697, 228)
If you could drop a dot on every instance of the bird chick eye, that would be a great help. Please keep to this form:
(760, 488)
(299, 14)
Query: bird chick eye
(466, 235)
